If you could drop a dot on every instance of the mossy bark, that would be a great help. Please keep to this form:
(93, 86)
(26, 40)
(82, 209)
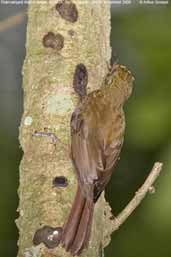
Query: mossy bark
(49, 100)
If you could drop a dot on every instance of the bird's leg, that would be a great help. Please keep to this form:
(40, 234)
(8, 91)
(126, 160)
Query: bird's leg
(54, 138)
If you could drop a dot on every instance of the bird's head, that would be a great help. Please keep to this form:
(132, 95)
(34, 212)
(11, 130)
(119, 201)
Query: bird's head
(119, 77)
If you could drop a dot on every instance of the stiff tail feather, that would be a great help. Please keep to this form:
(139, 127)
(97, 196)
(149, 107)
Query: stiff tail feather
(77, 230)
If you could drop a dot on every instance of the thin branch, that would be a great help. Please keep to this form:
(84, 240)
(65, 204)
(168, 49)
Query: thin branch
(139, 196)
(12, 21)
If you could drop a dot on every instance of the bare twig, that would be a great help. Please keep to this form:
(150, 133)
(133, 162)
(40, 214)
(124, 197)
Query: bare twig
(139, 196)
(12, 21)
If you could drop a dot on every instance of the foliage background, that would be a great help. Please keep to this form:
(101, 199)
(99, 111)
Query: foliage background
(141, 39)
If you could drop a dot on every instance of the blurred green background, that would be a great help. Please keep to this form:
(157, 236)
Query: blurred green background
(141, 39)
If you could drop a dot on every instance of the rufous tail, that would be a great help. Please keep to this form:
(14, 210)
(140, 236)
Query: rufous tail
(77, 230)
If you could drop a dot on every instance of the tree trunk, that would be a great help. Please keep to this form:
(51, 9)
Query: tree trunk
(49, 100)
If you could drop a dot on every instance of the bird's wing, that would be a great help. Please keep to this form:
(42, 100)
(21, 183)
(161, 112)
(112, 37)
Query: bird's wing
(86, 154)
(93, 157)
(110, 155)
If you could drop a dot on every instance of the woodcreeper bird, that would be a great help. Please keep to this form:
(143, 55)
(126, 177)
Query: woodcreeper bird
(97, 134)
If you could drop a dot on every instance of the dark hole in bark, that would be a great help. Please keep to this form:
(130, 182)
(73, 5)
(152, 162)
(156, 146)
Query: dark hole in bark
(67, 10)
(54, 41)
(48, 235)
(80, 80)
(60, 181)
